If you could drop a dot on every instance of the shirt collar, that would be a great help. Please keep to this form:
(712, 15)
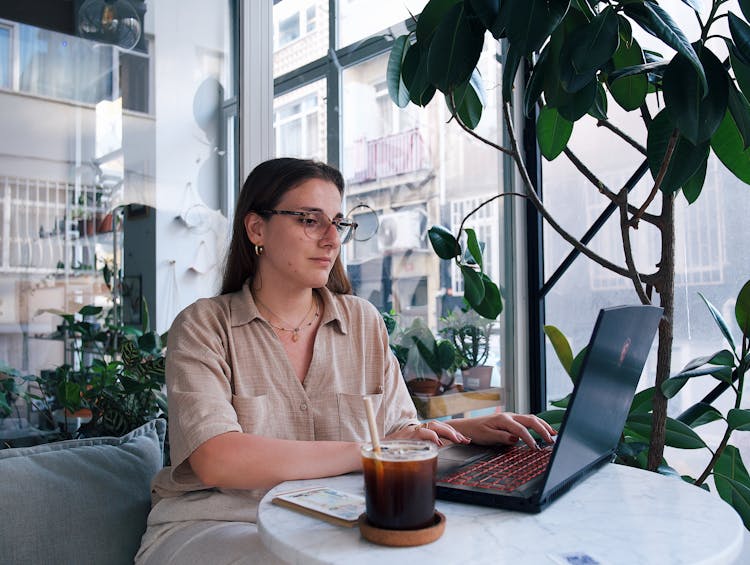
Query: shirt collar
(243, 308)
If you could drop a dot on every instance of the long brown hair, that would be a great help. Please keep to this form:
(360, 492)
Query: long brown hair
(263, 189)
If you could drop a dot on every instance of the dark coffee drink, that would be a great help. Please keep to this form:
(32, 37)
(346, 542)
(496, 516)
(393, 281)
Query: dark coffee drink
(400, 484)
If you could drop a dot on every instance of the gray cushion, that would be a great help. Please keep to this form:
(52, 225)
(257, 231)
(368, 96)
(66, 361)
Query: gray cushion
(78, 501)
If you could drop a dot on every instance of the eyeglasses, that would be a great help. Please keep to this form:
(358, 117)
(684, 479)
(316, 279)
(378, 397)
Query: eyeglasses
(316, 223)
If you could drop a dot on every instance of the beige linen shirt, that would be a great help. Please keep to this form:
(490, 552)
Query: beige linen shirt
(227, 371)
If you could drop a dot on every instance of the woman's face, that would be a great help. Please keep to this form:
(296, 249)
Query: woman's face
(291, 258)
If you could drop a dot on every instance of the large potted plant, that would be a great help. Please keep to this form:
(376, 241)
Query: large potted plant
(580, 55)
(470, 335)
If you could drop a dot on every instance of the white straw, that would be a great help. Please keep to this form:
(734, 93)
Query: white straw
(371, 421)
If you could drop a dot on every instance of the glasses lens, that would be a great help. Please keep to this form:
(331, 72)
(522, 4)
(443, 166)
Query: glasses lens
(317, 225)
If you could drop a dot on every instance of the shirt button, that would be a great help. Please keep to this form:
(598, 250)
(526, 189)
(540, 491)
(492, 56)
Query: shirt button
(303, 407)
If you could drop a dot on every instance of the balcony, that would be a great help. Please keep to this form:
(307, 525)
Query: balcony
(396, 154)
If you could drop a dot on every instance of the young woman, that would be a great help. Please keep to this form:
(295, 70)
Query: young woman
(265, 381)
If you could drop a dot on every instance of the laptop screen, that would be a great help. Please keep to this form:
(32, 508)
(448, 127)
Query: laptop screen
(610, 371)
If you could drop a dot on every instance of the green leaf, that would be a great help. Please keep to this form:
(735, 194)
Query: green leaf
(553, 132)
(741, 35)
(723, 357)
(642, 401)
(432, 15)
(491, 305)
(573, 106)
(473, 285)
(486, 11)
(739, 108)
(470, 100)
(562, 403)
(728, 145)
(598, 109)
(655, 21)
(561, 346)
(629, 91)
(654, 67)
(719, 322)
(677, 434)
(575, 366)
(473, 245)
(696, 115)
(396, 88)
(588, 48)
(745, 7)
(742, 309)
(553, 417)
(90, 310)
(686, 158)
(535, 86)
(530, 22)
(732, 482)
(511, 60)
(738, 496)
(693, 4)
(443, 242)
(741, 70)
(699, 414)
(721, 373)
(454, 50)
(739, 419)
(694, 185)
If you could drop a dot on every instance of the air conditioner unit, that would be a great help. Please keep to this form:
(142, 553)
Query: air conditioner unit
(400, 231)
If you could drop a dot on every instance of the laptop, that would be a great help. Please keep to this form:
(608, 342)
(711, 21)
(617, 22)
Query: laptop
(589, 433)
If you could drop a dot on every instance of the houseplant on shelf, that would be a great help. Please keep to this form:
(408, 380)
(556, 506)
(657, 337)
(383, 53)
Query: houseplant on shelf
(470, 335)
(580, 56)
(428, 364)
(116, 381)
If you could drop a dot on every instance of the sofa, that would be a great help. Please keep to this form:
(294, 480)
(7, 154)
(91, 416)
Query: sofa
(80, 501)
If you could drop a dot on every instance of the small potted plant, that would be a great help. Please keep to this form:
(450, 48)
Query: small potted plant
(427, 363)
(469, 334)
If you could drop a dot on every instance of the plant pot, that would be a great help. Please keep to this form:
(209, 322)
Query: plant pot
(477, 378)
(424, 387)
(105, 223)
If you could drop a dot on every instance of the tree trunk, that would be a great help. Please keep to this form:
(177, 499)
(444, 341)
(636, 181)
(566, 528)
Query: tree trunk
(665, 288)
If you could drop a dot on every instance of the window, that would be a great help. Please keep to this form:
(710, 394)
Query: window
(288, 30)
(293, 21)
(6, 56)
(297, 127)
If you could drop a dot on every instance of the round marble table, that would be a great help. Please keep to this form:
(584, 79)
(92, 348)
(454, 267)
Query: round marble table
(619, 515)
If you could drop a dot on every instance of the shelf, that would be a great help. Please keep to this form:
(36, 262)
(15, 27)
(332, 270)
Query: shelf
(456, 403)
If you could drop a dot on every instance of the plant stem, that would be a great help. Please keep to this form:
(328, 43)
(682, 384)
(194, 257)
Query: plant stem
(659, 177)
(624, 136)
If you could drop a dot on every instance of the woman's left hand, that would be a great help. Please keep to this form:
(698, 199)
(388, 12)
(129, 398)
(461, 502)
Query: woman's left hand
(433, 430)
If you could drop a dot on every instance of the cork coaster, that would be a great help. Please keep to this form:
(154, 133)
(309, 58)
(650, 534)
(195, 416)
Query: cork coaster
(402, 538)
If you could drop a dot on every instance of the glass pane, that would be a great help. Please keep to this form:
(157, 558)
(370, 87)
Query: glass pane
(5, 57)
(112, 158)
(414, 169)
(358, 19)
(299, 122)
(300, 33)
(708, 236)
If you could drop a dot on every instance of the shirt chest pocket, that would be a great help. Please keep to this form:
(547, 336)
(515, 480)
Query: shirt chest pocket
(353, 417)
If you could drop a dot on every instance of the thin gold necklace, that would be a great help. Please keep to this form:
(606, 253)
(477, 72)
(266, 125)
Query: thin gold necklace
(300, 326)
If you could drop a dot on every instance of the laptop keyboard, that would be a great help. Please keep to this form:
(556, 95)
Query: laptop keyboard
(505, 471)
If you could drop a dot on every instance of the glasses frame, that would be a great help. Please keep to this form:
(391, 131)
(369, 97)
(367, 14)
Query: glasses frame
(338, 223)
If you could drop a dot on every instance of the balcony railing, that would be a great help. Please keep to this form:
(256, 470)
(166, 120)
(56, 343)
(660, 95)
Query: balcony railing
(397, 154)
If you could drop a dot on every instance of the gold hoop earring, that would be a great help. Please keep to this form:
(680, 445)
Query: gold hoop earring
(259, 249)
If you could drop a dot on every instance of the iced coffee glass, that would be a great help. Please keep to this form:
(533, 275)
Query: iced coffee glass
(400, 484)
